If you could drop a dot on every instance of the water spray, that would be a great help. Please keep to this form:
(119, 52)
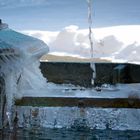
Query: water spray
(92, 64)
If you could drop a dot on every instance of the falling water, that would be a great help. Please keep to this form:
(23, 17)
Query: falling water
(91, 40)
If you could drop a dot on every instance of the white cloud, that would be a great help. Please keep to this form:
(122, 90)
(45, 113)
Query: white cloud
(120, 42)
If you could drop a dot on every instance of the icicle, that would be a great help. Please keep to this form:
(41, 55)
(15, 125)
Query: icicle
(2, 100)
(92, 65)
(10, 91)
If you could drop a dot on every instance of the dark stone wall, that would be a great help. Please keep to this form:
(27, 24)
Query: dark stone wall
(81, 73)
(134, 72)
(75, 73)
(104, 73)
(113, 73)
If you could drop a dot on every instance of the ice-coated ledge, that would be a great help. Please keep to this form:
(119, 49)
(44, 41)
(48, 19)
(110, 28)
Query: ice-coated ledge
(118, 91)
(25, 44)
(124, 96)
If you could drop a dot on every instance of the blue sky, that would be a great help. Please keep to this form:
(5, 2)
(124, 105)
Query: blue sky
(56, 14)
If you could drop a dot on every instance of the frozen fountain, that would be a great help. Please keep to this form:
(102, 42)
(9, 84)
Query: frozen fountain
(33, 103)
(19, 67)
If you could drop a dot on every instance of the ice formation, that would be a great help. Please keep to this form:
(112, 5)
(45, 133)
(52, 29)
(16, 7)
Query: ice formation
(19, 64)
(81, 118)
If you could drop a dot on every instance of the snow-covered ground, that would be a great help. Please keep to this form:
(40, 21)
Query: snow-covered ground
(116, 43)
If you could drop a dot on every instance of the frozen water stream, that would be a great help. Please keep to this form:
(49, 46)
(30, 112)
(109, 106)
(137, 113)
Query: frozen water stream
(91, 39)
(19, 66)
